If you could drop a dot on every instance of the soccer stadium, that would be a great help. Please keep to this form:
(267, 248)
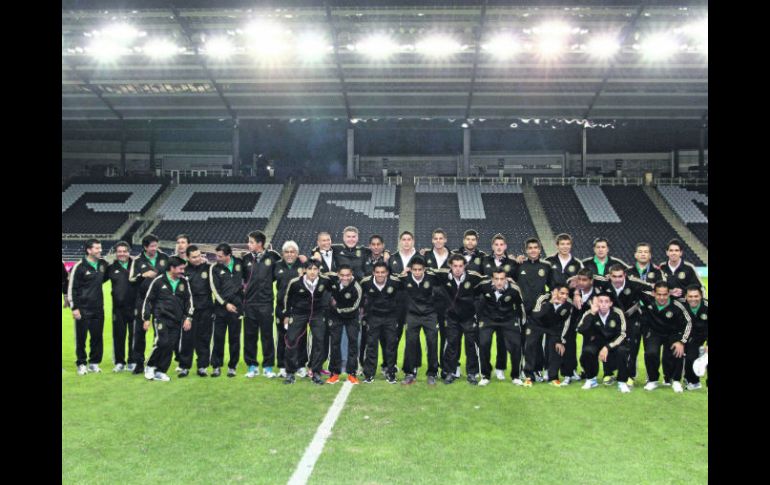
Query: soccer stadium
(384, 242)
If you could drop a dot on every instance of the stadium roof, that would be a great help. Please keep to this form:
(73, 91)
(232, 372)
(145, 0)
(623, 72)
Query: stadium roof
(314, 60)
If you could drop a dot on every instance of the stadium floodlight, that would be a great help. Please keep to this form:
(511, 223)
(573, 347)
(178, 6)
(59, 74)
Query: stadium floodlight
(699, 33)
(218, 48)
(658, 47)
(161, 49)
(105, 50)
(554, 29)
(438, 46)
(550, 48)
(268, 40)
(312, 46)
(377, 47)
(603, 46)
(503, 46)
(121, 33)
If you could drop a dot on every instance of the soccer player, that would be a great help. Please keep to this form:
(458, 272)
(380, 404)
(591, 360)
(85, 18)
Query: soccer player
(667, 325)
(286, 270)
(123, 303)
(459, 298)
(679, 273)
(180, 251)
(226, 280)
(534, 277)
(323, 252)
(437, 260)
(306, 298)
(643, 267)
(604, 337)
(87, 303)
(474, 257)
(144, 268)
(377, 248)
(170, 303)
(586, 286)
(501, 311)
(345, 302)
(199, 337)
(258, 276)
(499, 259)
(699, 311)
(398, 265)
(550, 319)
(563, 263)
(601, 261)
(382, 294)
(420, 288)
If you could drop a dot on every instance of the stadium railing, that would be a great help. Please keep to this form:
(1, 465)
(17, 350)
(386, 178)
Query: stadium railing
(427, 180)
(681, 181)
(613, 181)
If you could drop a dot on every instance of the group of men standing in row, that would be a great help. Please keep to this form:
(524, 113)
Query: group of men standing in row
(343, 294)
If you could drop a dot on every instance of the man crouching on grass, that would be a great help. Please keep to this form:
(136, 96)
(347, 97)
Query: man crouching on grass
(170, 302)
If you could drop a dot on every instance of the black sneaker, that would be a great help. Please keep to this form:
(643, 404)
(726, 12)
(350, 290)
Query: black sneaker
(183, 373)
(391, 378)
(217, 372)
(230, 372)
(431, 380)
(450, 378)
(316, 379)
(369, 380)
(202, 372)
(289, 379)
(139, 369)
(472, 380)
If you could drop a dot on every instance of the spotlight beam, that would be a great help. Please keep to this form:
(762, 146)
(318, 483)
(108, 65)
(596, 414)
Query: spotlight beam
(94, 90)
(624, 33)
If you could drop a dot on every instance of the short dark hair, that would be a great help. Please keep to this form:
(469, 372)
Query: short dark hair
(175, 261)
(183, 236)
(405, 233)
(258, 237)
(191, 249)
(417, 260)
(601, 239)
(661, 284)
(498, 236)
(438, 230)
(533, 240)
(563, 237)
(457, 257)
(585, 272)
(559, 286)
(90, 243)
(617, 267)
(694, 287)
(225, 248)
(380, 264)
(471, 232)
(344, 266)
(123, 244)
(312, 263)
(376, 236)
(638, 245)
(499, 269)
(149, 239)
(675, 242)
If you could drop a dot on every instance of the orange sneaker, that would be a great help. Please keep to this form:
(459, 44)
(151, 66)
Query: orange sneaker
(556, 383)
(527, 382)
(335, 378)
(352, 379)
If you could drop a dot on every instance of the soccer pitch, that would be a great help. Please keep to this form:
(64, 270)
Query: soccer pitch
(120, 428)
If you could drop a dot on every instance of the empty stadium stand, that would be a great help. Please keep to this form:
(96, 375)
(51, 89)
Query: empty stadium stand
(487, 209)
(373, 209)
(102, 208)
(639, 221)
(690, 203)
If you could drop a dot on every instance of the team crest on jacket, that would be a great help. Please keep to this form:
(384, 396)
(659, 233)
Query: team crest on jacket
(704, 317)
(160, 326)
(181, 286)
(669, 314)
(408, 285)
(204, 275)
(563, 312)
(541, 272)
(612, 323)
(390, 289)
(358, 253)
(651, 274)
(430, 261)
(237, 267)
(481, 324)
(529, 331)
(627, 291)
(508, 298)
(162, 263)
(320, 288)
(348, 295)
(681, 275)
(101, 269)
(477, 260)
(507, 268)
(268, 261)
(571, 268)
(467, 285)
(426, 284)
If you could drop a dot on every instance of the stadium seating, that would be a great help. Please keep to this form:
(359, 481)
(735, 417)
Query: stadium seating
(103, 208)
(211, 213)
(690, 203)
(639, 221)
(487, 209)
(373, 209)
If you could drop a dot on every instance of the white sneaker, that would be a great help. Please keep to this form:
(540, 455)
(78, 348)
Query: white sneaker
(160, 376)
(576, 377)
(302, 373)
(457, 372)
(118, 368)
(651, 386)
(676, 386)
(82, 370)
(518, 382)
(149, 373)
(566, 381)
(94, 368)
(700, 364)
(268, 372)
(130, 367)
(539, 377)
(252, 372)
(667, 383)
(484, 382)
(500, 374)
(693, 386)
(178, 369)
(623, 387)
(282, 372)
(545, 375)
(590, 384)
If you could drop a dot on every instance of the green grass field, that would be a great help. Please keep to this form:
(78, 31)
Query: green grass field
(119, 428)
